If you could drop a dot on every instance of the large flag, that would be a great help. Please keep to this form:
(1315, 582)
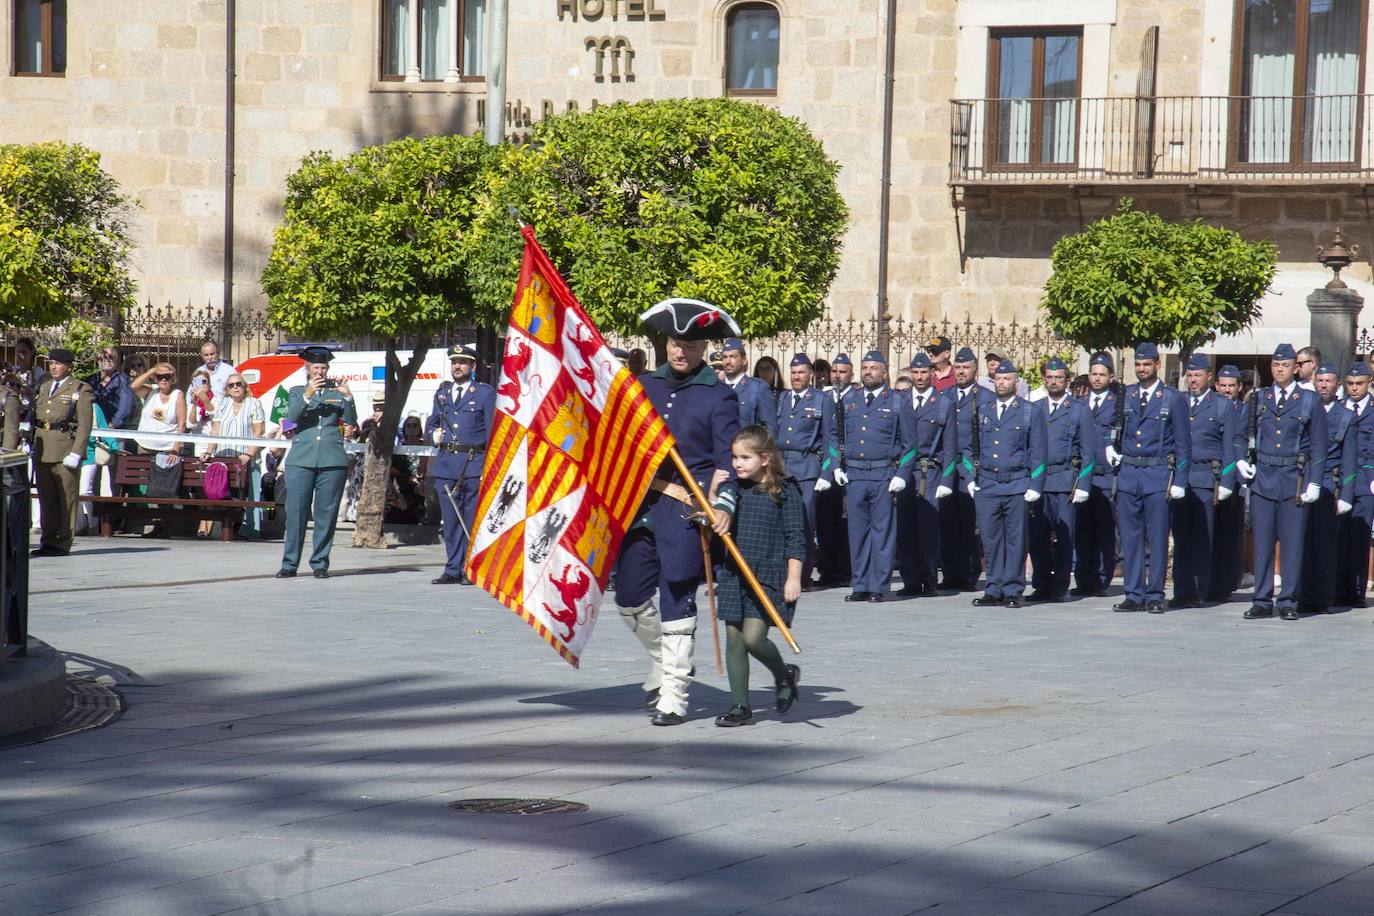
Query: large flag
(574, 446)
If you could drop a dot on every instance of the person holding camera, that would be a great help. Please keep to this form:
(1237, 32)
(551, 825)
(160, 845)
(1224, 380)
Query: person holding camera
(316, 464)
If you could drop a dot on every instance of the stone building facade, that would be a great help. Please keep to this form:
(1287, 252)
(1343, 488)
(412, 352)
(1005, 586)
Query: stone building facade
(981, 189)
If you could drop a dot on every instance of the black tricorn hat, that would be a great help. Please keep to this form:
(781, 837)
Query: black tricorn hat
(317, 355)
(690, 319)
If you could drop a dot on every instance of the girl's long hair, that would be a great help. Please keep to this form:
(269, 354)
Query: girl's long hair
(758, 441)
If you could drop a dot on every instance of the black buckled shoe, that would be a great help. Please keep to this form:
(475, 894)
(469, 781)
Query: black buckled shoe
(1258, 613)
(785, 703)
(737, 716)
(667, 718)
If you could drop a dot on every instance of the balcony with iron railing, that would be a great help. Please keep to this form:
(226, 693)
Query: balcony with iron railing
(1180, 139)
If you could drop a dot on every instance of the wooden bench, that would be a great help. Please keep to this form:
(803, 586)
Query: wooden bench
(133, 471)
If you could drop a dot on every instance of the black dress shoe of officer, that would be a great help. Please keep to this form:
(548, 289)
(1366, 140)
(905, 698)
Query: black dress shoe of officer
(1256, 612)
(1288, 613)
(737, 716)
(667, 718)
(446, 579)
(651, 699)
(321, 574)
(285, 574)
(1155, 607)
(987, 601)
(876, 598)
(48, 552)
(857, 596)
(1014, 602)
(1128, 607)
(1080, 592)
(1179, 604)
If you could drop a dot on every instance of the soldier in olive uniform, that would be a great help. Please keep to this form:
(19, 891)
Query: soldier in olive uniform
(62, 417)
(316, 464)
(10, 409)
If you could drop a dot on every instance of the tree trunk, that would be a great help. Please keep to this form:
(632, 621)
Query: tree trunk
(380, 445)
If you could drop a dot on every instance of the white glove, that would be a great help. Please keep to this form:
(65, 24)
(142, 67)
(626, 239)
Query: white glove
(73, 461)
(822, 485)
(1177, 492)
(1342, 507)
(942, 491)
(973, 488)
(1113, 456)
(841, 478)
(437, 436)
(1223, 494)
(1247, 471)
(1080, 496)
(1310, 495)
(1032, 496)
(896, 485)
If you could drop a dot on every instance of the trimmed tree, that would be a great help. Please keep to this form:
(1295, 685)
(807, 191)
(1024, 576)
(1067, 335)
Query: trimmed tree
(712, 199)
(373, 244)
(1134, 277)
(64, 235)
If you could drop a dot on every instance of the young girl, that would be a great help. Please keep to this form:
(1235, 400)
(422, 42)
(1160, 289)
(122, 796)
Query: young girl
(770, 530)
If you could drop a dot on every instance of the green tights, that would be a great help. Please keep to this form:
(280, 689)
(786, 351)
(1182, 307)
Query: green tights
(743, 640)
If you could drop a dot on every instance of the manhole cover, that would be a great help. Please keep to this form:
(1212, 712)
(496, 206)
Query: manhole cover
(517, 805)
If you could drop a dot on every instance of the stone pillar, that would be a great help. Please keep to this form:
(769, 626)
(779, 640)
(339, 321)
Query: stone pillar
(1335, 311)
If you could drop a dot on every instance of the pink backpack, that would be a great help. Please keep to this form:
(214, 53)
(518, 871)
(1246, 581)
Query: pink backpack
(216, 481)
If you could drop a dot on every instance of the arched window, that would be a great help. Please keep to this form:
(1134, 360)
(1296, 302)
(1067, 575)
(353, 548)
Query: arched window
(751, 49)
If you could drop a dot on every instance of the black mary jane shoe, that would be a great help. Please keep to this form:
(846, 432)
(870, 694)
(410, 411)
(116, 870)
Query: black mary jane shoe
(785, 703)
(651, 699)
(667, 718)
(737, 716)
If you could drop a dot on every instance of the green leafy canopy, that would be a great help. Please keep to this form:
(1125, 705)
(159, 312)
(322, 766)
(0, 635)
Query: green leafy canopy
(1134, 277)
(64, 235)
(713, 199)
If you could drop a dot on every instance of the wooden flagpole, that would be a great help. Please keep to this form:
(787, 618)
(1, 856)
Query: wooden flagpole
(743, 564)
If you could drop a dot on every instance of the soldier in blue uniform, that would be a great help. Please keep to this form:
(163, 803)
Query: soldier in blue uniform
(871, 416)
(1071, 449)
(930, 462)
(832, 532)
(1009, 460)
(806, 438)
(1210, 481)
(758, 405)
(1325, 515)
(1288, 432)
(459, 426)
(1352, 574)
(1152, 467)
(661, 554)
(1095, 534)
(961, 555)
(1228, 544)
(316, 463)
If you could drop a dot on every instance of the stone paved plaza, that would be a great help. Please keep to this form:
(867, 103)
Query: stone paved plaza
(290, 748)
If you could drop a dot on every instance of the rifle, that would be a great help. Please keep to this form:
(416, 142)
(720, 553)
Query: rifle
(1254, 425)
(975, 436)
(1216, 481)
(1118, 429)
(1302, 466)
(1169, 487)
(839, 427)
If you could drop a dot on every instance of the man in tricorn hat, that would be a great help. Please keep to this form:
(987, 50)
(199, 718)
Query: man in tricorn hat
(661, 556)
(459, 424)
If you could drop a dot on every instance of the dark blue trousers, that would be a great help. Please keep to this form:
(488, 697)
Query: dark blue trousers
(1283, 522)
(1144, 520)
(464, 501)
(1002, 523)
(1353, 549)
(1318, 591)
(652, 566)
(872, 534)
(1051, 542)
(1095, 541)
(1194, 521)
(918, 544)
(960, 551)
(1228, 546)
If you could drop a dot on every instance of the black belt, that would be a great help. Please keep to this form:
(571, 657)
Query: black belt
(865, 465)
(61, 426)
(1003, 476)
(1277, 461)
(1056, 468)
(800, 451)
(1141, 461)
(469, 449)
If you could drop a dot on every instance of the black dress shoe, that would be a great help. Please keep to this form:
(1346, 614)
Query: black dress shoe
(651, 699)
(857, 596)
(446, 579)
(737, 716)
(1155, 607)
(1128, 607)
(1179, 604)
(908, 592)
(1256, 612)
(667, 718)
(321, 574)
(1358, 602)
(987, 601)
(787, 701)
(285, 574)
(1014, 602)
(48, 552)
(876, 598)
(1288, 613)
(1081, 592)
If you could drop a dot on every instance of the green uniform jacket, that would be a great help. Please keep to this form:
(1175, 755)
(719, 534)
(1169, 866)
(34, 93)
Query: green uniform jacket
(73, 402)
(318, 442)
(9, 417)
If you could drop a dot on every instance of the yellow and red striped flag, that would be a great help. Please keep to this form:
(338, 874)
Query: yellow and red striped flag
(574, 446)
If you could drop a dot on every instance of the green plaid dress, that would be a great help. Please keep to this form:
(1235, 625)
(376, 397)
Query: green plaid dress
(768, 533)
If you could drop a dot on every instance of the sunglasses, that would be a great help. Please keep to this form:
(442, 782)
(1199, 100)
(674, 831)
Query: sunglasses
(164, 377)
(234, 385)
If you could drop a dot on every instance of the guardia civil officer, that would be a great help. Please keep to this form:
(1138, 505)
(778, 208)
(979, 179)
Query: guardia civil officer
(961, 555)
(1071, 449)
(832, 532)
(1228, 544)
(1209, 482)
(1352, 573)
(1010, 461)
(1152, 466)
(871, 416)
(1324, 516)
(806, 438)
(1095, 534)
(661, 555)
(62, 418)
(930, 461)
(757, 404)
(316, 463)
(459, 425)
(1288, 429)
